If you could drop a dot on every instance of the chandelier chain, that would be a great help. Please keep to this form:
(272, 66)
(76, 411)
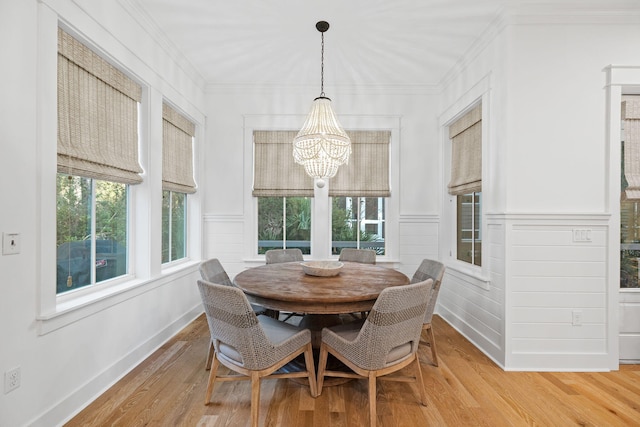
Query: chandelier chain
(322, 66)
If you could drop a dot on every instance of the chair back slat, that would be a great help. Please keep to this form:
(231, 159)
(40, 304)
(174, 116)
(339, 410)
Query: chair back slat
(275, 256)
(363, 256)
(430, 269)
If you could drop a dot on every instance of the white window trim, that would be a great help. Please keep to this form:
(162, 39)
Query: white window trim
(145, 269)
(621, 79)
(280, 122)
(476, 275)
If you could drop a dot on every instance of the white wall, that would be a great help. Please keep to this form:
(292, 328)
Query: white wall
(544, 175)
(548, 144)
(473, 299)
(67, 359)
(230, 110)
(561, 275)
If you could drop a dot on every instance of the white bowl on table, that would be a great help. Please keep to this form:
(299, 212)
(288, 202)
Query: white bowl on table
(322, 268)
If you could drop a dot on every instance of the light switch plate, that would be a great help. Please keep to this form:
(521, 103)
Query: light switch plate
(10, 243)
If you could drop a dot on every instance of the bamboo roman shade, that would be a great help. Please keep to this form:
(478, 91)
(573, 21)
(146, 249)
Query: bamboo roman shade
(631, 118)
(466, 153)
(276, 174)
(367, 174)
(97, 116)
(177, 151)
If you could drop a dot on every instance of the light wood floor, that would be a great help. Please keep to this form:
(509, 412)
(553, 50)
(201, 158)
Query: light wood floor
(467, 389)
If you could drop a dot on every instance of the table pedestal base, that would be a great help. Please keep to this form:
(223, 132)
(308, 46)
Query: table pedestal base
(315, 323)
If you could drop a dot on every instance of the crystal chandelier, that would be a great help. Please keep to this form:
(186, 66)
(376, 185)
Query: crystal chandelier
(322, 145)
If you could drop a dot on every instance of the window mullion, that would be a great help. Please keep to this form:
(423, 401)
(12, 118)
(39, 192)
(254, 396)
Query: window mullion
(93, 232)
(170, 226)
(359, 221)
(284, 223)
(473, 228)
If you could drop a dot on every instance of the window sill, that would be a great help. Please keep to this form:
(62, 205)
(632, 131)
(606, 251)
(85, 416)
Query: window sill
(73, 309)
(468, 274)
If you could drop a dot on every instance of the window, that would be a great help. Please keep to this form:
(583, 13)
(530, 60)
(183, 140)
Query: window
(630, 200)
(358, 193)
(174, 226)
(358, 222)
(468, 242)
(91, 231)
(466, 184)
(284, 222)
(284, 194)
(97, 161)
(177, 181)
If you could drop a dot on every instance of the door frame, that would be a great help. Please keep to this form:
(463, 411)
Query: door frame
(620, 80)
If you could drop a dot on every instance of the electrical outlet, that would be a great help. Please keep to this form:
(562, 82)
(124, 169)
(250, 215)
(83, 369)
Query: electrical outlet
(576, 318)
(11, 379)
(582, 234)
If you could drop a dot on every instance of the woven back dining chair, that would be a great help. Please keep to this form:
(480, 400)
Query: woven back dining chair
(274, 256)
(252, 346)
(430, 269)
(383, 343)
(212, 271)
(364, 256)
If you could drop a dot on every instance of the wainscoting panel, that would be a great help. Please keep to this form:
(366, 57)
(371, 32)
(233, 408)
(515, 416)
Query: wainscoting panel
(475, 305)
(557, 292)
(418, 236)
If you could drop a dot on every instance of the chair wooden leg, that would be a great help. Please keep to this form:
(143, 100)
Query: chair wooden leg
(308, 360)
(212, 378)
(255, 398)
(420, 381)
(372, 399)
(207, 365)
(322, 364)
(432, 344)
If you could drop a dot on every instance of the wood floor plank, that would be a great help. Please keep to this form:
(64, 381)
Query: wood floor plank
(467, 389)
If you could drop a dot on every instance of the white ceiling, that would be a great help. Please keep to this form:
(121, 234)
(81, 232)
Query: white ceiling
(275, 42)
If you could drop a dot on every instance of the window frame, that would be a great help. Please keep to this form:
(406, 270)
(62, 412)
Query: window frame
(284, 222)
(94, 238)
(185, 227)
(360, 222)
(145, 269)
(472, 274)
(278, 122)
(472, 230)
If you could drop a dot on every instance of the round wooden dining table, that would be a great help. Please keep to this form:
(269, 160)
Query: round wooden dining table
(285, 287)
(321, 300)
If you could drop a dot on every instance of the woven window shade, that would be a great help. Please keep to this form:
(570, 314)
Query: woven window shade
(275, 172)
(367, 174)
(631, 117)
(97, 116)
(466, 153)
(177, 151)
